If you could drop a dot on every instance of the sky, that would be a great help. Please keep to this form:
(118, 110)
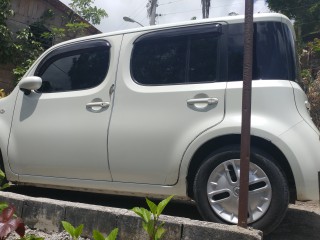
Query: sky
(170, 11)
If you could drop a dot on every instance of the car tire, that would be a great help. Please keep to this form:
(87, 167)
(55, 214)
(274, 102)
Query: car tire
(216, 189)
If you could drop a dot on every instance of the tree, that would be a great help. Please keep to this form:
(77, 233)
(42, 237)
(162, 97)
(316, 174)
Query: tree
(73, 25)
(29, 44)
(205, 8)
(304, 12)
(85, 9)
(5, 34)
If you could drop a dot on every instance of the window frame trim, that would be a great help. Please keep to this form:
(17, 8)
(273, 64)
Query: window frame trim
(188, 31)
(70, 50)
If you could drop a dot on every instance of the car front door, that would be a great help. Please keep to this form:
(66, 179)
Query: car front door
(61, 130)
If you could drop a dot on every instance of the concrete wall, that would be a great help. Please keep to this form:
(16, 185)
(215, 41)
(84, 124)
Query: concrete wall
(46, 215)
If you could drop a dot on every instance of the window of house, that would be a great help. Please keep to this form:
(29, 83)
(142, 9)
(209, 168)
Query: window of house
(177, 56)
(78, 67)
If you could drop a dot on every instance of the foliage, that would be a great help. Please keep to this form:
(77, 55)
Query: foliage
(31, 237)
(3, 182)
(150, 218)
(112, 236)
(5, 33)
(85, 9)
(2, 93)
(314, 47)
(304, 12)
(28, 51)
(28, 44)
(74, 232)
(10, 224)
(314, 99)
(310, 77)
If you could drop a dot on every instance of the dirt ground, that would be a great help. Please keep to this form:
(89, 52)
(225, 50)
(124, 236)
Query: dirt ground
(302, 222)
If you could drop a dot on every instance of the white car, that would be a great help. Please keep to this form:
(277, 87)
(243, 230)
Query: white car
(156, 111)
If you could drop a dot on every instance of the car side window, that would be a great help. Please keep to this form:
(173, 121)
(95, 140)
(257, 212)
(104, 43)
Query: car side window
(78, 67)
(181, 58)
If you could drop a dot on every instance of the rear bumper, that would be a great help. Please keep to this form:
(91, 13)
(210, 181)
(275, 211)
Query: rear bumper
(301, 146)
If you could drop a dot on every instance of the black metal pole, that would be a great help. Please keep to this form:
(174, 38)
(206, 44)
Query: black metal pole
(246, 115)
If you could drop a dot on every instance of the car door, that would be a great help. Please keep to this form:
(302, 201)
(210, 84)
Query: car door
(61, 129)
(170, 88)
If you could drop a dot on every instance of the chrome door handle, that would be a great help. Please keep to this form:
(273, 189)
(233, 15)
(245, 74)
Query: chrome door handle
(209, 101)
(98, 104)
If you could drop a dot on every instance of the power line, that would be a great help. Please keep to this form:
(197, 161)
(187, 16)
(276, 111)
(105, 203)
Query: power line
(170, 2)
(180, 12)
(135, 13)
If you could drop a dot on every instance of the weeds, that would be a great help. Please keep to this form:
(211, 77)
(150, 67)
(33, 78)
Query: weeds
(2, 93)
(112, 236)
(150, 218)
(75, 232)
(9, 223)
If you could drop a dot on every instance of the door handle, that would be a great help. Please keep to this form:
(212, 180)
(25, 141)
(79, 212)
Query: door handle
(98, 104)
(209, 101)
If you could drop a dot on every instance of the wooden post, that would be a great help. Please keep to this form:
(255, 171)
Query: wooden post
(246, 115)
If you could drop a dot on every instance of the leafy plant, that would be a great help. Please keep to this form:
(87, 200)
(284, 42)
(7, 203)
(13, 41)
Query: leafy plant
(31, 237)
(314, 47)
(2, 93)
(74, 232)
(150, 218)
(90, 13)
(112, 236)
(9, 223)
(3, 181)
(3, 205)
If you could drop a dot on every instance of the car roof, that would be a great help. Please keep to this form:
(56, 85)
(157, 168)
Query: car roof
(259, 17)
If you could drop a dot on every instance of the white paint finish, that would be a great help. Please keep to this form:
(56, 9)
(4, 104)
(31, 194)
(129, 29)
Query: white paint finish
(273, 106)
(55, 134)
(301, 99)
(7, 106)
(151, 126)
(129, 189)
(56, 142)
(303, 156)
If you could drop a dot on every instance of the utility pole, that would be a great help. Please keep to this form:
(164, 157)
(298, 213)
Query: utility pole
(246, 115)
(154, 5)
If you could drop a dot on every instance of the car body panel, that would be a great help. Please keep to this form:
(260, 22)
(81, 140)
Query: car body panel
(65, 121)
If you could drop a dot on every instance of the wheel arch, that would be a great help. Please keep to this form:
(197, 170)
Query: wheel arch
(234, 139)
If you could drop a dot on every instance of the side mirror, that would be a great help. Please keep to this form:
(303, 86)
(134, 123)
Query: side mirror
(28, 84)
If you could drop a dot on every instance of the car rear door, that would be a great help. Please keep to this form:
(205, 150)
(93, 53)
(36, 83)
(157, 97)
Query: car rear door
(170, 88)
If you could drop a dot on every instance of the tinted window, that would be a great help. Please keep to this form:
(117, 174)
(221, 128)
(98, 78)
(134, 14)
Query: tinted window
(74, 70)
(203, 58)
(271, 53)
(186, 58)
(160, 61)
